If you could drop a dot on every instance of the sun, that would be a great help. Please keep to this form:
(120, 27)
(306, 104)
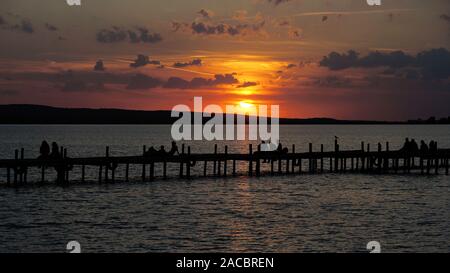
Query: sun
(246, 104)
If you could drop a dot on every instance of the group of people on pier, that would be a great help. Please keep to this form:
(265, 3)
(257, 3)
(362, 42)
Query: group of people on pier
(46, 153)
(411, 147)
(162, 151)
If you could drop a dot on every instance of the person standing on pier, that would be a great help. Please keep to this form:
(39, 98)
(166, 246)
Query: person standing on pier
(44, 150)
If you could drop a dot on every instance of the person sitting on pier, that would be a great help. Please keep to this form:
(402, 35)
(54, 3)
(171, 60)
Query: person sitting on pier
(423, 148)
(150, 152)
(55, 154)
(44, 150)
(414, 147)
(174, 149)
(407, 146)
(433, 147)
(162, 151)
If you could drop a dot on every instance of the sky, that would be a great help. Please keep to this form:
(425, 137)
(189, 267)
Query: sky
(314, 58)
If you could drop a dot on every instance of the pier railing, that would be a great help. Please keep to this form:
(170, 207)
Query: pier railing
(281, 163)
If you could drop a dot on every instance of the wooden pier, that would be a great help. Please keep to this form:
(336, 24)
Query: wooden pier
(365, 161)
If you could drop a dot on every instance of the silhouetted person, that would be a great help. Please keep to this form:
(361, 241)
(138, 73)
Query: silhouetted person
(174, 149)
(423, 148)
(280, 147)
(55, 154)
(162, 150)
(151, 152)
(433, 147)
(406, 146)
(44, 150)
(413, 146)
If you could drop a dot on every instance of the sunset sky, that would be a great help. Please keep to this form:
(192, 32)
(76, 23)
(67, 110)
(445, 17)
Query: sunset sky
(391, 62)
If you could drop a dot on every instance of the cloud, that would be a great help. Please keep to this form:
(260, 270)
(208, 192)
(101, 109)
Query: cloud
(112, 35)
(203, 28)
(207, 14)
(50, 27)
(433, 64)
(247, 84)
(141, 81)
(195, 62)
(289, 66)
(143, 60)
(277, 2)
(99, 66)
(24, 26)
(195, 83)
(333, 81)
(143, 35)
(134, 36)
(2, 21)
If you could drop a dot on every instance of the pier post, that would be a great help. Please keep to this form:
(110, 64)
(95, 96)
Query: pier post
(258, 166)
(369, 159)
(152, 170)
(363, 158)
(205, 165)
(16, 165)
(22, 171)
(321, 158)
(214, 161)
(293, 161)
(336, 160)
(250, 160)
(446, 166)
(144, 149)
(127, 172)
(188, 164)
(65, 168)
(310, 160)
(299, 166)
(107, 164)
(234, 167)
(380, 159)
(182, 161)
(272, 172)
(225, 163)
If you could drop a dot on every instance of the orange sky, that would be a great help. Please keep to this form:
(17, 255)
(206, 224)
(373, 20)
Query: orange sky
(250, 51)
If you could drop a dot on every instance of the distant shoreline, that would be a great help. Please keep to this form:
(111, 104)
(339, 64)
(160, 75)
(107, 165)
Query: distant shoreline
(46, 115)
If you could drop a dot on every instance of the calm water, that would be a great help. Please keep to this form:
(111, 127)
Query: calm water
(307, 213)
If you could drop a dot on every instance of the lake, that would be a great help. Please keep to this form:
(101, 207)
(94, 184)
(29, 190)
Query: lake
(303, 213)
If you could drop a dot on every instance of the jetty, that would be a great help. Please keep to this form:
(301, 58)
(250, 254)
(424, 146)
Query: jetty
(381, 160)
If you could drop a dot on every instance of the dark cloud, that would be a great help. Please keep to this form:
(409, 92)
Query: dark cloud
(143, 35)
(142, 60)
(203, 28)
(324, 18)
(195, 62)
(247, 84)
(277, 2)
(195, 83)
(334, 82)
(112, 35)
(176, 26)
(432, 64)
(206, 13)
(134, 36)
(50, 27)
(141, 81)
(99, 66)
(289, 66)
(24, 26)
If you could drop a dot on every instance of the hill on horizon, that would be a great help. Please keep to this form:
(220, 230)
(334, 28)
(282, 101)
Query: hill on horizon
(41, 114)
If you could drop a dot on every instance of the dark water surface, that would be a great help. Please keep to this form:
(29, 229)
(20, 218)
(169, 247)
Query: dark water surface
(307, 213)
